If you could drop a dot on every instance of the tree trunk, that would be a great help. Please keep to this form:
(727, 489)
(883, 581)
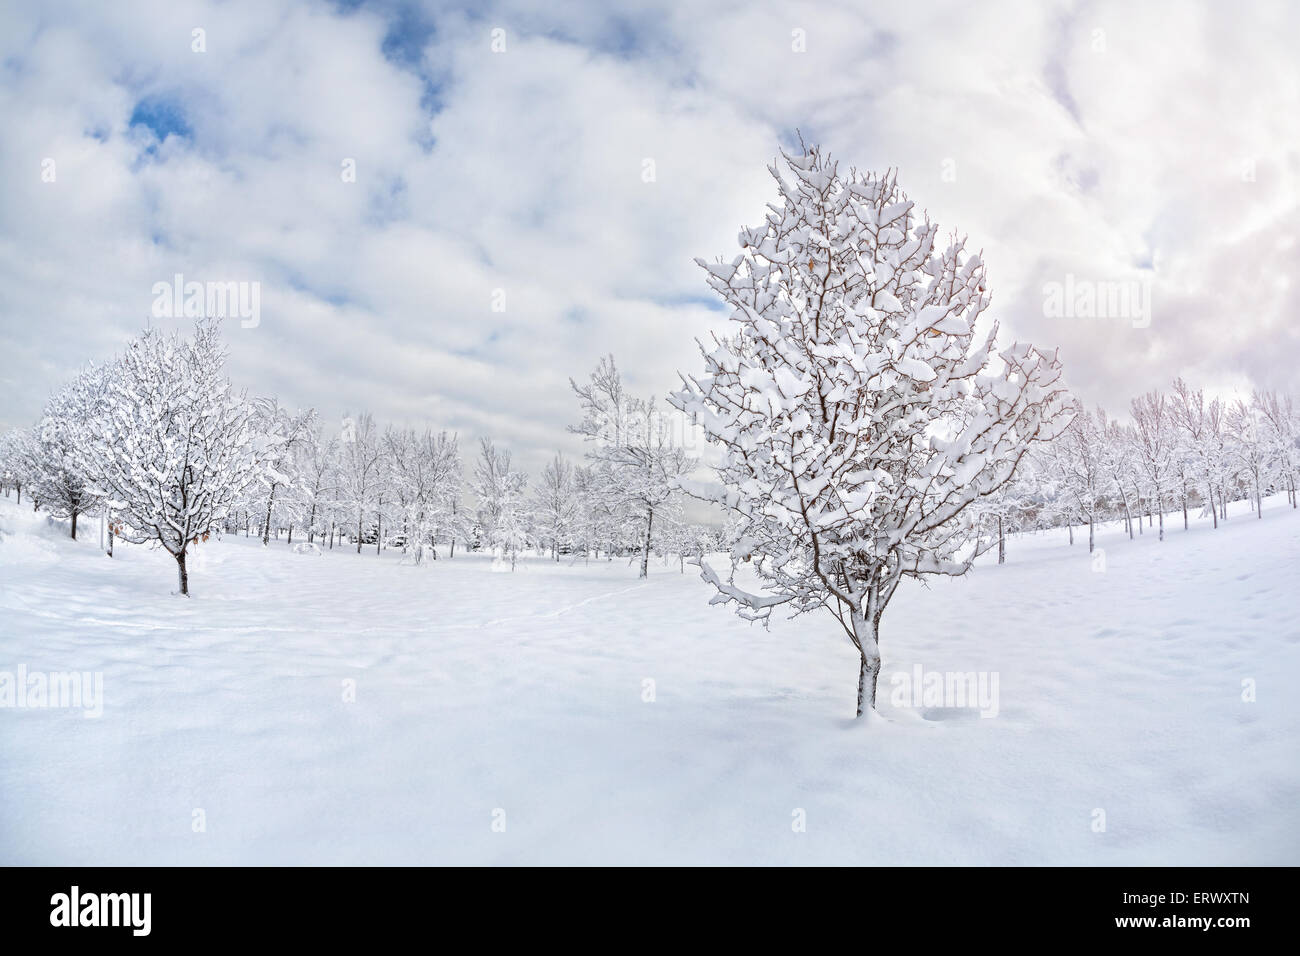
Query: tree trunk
(1002, 543)
(1070, 528)
(266, 528)
(1184, 511)
(290, 542)
(645, 555)
(1214, 508)
(1090, 535)
(184, 578)
(379, 532)
(74, 524)
(868, 663)
(358, 533)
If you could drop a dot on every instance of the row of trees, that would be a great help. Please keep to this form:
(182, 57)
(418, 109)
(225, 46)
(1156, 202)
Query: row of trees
(160, 444)
(1180, 451)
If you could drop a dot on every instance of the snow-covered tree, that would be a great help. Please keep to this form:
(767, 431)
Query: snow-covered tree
(317, 484)
(360, 472)
(503, 510)
(1282, 435)
(1117, 466)
(633, 439)
(56, 471)
(1153, 443)
(1250, 448)
(283, 435)
(555, 506)
(858, 413)
(593, 515)
(426, 481)
(1077, 458)
(15, 455)
(171, 445)
(1009, 509)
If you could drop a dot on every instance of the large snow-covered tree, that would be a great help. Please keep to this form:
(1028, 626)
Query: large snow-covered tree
(170, 445)
(858, 412)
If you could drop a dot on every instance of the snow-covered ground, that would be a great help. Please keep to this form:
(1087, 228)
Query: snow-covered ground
(485, 697)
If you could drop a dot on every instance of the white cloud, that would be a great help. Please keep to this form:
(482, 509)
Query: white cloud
(1110, 161)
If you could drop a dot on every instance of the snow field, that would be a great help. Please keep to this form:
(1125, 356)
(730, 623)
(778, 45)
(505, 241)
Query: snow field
(486, 697)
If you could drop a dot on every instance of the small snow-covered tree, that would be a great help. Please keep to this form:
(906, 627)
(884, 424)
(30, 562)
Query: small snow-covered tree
(57, 475)
(555, 506)
(1080, 469)
(503, 510)
(171, 445)
(1117, 465)
(360, 472)
(1008, 509)
(15, 458)
(318, 480)
(1282, 436)
(593, 514)
(858, 413)
(426, 479)
(283, 435)
(1249, 448)
(633, 439)
(1153, 442)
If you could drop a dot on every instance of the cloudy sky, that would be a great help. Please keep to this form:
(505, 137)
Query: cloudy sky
(533, 181)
